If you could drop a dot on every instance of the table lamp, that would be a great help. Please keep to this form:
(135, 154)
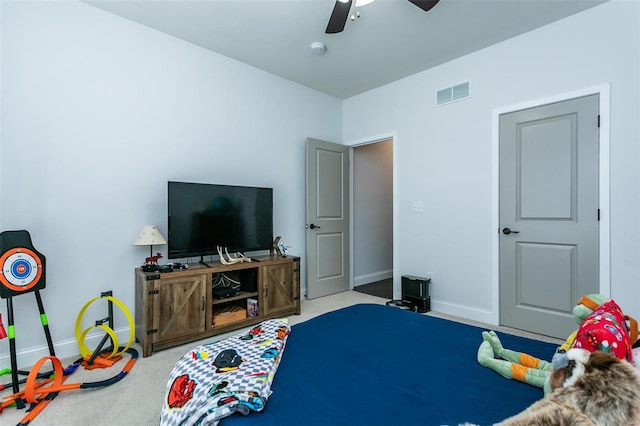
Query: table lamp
(150, 236)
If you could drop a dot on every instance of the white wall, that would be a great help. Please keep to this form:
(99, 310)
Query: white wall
(445, 153)
(1, 106)
(98, 113)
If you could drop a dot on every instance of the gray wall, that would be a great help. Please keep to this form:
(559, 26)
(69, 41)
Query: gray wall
(446, 154)
(372, 212)
(98, 114)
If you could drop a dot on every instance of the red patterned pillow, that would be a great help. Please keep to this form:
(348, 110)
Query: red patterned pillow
(605, 330)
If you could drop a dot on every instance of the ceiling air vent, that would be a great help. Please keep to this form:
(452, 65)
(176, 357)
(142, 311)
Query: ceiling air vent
(453, 93)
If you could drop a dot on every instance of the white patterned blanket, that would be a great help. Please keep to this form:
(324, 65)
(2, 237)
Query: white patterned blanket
(217, 379)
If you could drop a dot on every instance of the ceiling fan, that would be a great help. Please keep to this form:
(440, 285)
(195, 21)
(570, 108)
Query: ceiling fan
(341, 10)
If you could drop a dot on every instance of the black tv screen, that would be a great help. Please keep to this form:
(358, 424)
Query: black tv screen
(202, 217)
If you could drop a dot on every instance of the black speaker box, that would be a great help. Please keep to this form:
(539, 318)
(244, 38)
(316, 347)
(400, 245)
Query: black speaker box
(249, 280)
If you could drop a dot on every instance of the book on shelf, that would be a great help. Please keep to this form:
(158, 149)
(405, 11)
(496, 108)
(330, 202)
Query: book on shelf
(252, 307)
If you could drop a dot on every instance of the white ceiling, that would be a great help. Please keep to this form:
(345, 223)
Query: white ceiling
(392, 39)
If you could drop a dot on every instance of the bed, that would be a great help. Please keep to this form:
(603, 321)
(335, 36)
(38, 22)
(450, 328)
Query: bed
(378, 365)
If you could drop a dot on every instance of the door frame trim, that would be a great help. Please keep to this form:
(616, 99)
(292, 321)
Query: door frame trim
(396, 266)
(604, 201)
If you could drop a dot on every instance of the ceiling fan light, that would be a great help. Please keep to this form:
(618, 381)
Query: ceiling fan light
(343, 1)
(363, 2)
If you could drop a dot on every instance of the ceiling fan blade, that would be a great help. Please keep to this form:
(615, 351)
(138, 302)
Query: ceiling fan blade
(425, 5)
(338, 17)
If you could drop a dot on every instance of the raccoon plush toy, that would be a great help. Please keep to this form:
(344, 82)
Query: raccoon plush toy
(594, 388)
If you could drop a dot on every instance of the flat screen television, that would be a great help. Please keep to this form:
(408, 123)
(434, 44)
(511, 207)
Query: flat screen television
(203, 216)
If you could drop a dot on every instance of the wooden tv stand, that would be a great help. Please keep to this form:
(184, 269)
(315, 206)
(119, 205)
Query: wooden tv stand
(177, 307)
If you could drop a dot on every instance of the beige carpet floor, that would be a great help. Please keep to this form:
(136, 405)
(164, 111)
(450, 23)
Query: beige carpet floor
(137, 399)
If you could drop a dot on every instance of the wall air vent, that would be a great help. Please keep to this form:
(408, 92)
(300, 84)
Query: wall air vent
(444, 96)
(453, 93)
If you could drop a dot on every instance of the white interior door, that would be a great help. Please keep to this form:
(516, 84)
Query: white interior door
(327, 218)
(549, 249)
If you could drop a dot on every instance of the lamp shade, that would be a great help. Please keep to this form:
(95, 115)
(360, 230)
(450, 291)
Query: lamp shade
(149, 236)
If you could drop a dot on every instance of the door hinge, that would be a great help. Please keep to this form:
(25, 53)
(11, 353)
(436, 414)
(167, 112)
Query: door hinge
(152, 331)
(598, 120)
(598, 215)
(152, 292)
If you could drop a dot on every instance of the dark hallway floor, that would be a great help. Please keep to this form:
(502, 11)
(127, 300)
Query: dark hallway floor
(383, 288)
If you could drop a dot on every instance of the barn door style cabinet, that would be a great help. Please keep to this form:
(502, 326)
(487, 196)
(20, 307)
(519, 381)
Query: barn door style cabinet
(177, 307)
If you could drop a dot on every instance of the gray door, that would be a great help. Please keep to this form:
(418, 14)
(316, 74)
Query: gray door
(327, 218)
(548, 214)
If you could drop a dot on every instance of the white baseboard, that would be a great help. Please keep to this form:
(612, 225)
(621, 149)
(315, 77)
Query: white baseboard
(372, 278)
(464, 311)
(63, 349)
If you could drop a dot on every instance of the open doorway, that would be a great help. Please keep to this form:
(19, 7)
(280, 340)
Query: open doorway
(372, 212)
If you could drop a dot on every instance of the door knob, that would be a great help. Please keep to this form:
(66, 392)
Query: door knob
(507, 231)
(312, 226)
